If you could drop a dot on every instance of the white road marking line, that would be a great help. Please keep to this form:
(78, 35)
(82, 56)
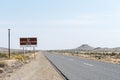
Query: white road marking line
(88, 64)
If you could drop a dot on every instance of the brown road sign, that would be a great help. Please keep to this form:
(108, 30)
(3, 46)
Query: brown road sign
(28, 41)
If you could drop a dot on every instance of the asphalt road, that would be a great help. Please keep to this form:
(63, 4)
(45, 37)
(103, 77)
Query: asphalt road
(83, 69)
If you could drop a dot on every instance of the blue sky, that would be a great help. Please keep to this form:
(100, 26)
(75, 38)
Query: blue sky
(61, 24)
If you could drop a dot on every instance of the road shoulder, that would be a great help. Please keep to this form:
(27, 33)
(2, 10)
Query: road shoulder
(38, 69)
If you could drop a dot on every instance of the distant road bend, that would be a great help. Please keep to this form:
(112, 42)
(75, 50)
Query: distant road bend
(83, 69)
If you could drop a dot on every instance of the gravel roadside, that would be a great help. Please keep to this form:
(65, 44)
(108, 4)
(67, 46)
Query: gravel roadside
(38, 69)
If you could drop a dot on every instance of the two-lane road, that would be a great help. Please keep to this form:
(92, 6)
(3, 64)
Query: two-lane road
(83, 69)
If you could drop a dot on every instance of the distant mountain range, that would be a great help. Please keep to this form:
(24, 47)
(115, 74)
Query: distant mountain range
(6, 49)
(86, 47)
(3, 49)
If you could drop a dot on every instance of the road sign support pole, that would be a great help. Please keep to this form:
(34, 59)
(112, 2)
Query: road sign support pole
(24, 51)
(34, 52)
(9, 43)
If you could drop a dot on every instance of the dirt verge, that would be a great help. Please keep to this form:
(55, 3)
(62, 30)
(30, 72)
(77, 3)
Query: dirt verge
(38, 69)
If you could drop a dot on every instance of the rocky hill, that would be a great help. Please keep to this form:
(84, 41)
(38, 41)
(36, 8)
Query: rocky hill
(86, 47)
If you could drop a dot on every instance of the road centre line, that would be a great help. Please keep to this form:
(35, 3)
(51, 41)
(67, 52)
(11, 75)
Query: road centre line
(88, 64)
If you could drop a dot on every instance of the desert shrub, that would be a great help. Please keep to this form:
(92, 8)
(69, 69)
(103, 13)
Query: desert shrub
(104, 54)
(87, 53)
(19, 57)
(72, 54)
(113, 54)
(3, 55)
(91, 53)
(3, 64)
(119, 54)
(26, 57)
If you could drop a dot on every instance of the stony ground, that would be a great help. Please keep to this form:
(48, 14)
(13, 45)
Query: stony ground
(38, 69)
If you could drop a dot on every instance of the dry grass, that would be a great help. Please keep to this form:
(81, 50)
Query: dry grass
(3, 55)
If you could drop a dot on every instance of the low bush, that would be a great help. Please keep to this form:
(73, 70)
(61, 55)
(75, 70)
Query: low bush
(3, 55)
(18, 56)
(2, 64)
(113, 54)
